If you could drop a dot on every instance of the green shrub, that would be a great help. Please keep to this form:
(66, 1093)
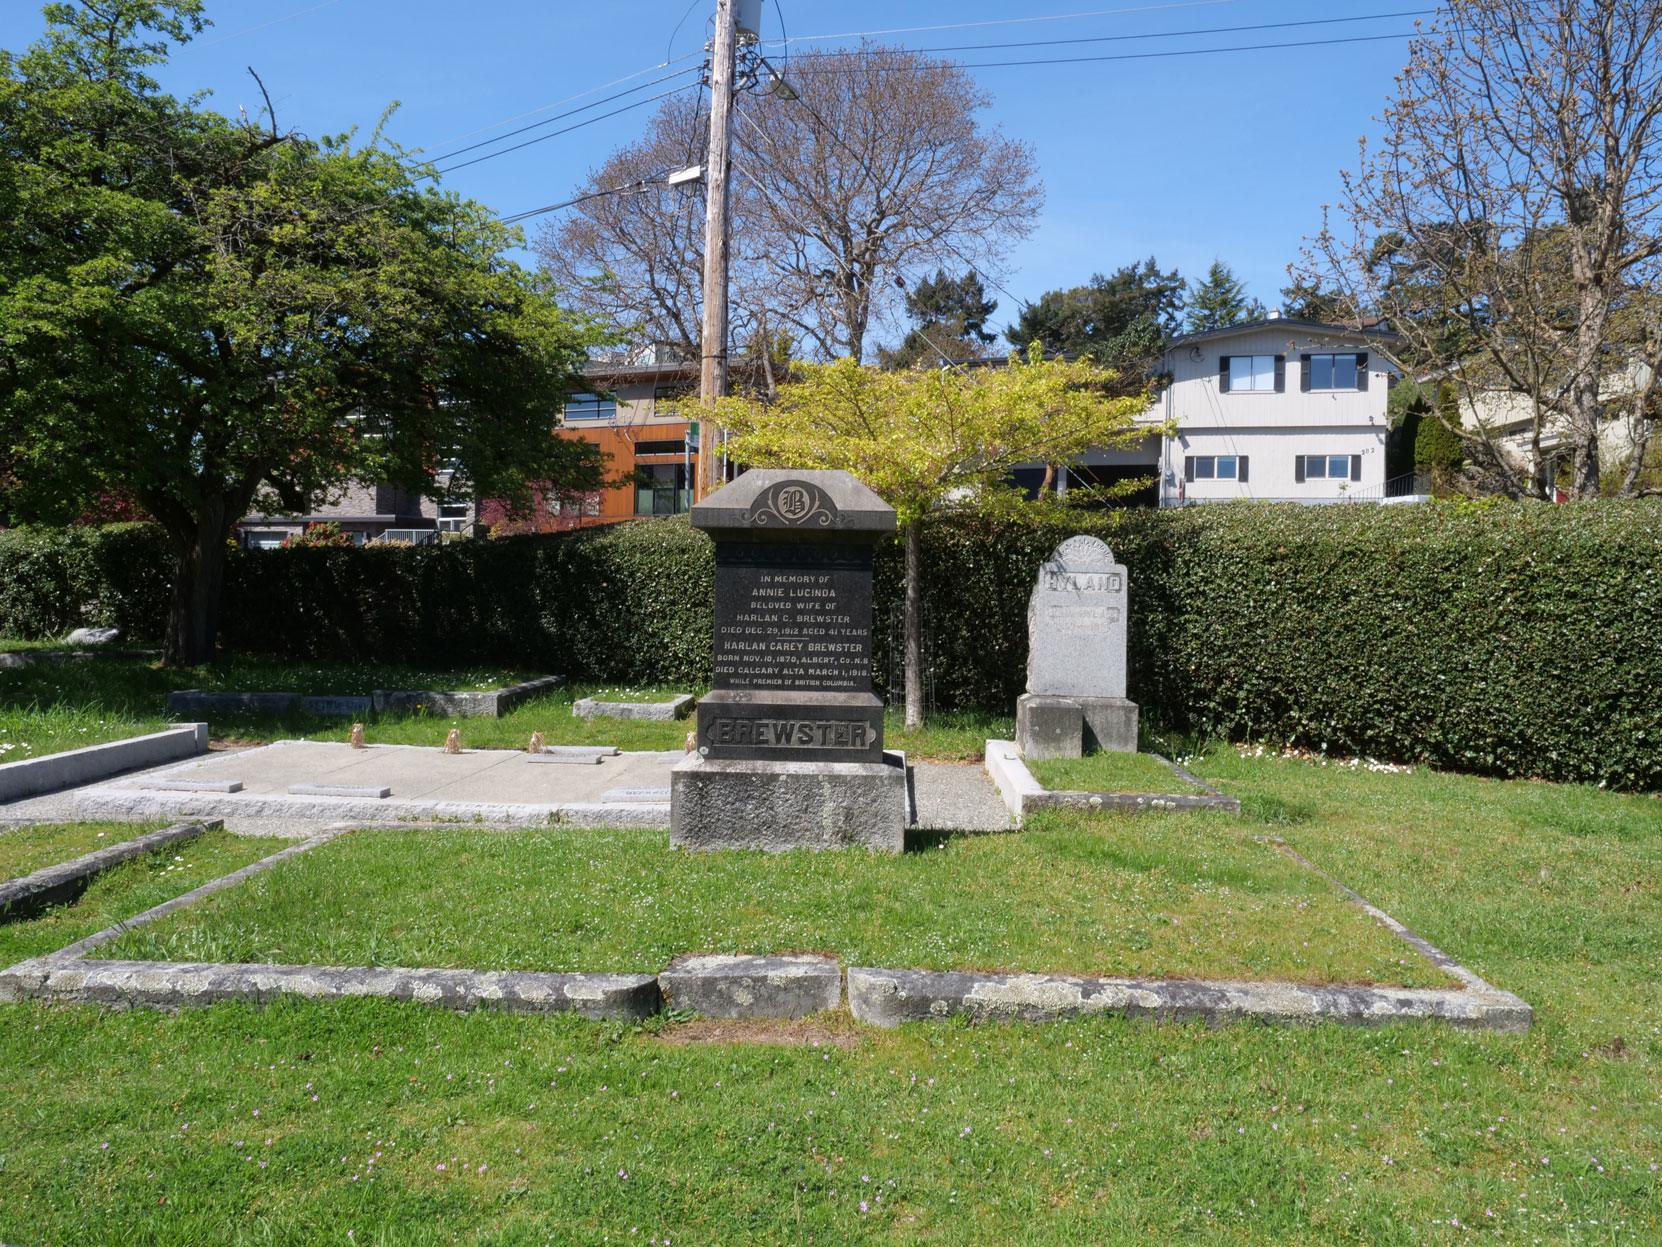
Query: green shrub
(56, 579)
(1505, 638)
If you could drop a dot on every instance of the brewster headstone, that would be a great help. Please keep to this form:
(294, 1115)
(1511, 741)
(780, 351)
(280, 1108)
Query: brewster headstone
(790, 740)
(1076, 633)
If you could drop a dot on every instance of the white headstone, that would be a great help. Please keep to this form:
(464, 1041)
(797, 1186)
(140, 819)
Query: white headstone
(1076, 623)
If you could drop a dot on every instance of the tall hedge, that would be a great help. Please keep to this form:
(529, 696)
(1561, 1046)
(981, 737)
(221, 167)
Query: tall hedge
(1511, 639)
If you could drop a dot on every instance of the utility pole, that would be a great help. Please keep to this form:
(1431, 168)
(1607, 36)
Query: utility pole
(713, 337)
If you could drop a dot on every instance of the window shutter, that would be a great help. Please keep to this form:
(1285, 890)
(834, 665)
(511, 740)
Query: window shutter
(1223, 373)
(1188, 467)
(1241, 469)
(1361, 371)
(1356, 467)
(1304, 374)
(1280, 374)
(1298, 468)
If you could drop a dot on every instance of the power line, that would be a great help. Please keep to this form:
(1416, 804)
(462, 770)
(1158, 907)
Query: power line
(557, 103)
(587, 121)
(276, 21)
(1158, 34)
(548, 121)
(1006, 21)
(1138, 56)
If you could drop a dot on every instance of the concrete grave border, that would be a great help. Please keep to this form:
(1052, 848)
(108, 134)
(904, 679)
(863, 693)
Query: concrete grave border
(1024, 794)
(50, 884)
(677, 707)
(782, 986)
(52, 771)
(457, 704)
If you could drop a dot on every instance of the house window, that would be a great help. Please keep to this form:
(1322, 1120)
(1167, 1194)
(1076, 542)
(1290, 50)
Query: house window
(590, 407)
(1328, 468)
(676, 447)
(661, 489)
(1255, 373)
(1215, 467)
(1334, 372)
(452, 516)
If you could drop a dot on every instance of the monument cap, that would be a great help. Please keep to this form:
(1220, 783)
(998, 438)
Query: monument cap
(795, 505)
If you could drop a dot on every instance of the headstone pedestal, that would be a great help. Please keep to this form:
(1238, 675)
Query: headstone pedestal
(1076, 635)
(790, 739)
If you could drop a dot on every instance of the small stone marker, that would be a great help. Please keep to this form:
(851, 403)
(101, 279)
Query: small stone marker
(790, 741)
(1076, 665)
(191, 785)
(340, 790)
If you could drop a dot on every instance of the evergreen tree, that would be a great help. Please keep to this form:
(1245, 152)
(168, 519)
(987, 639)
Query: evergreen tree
(1438, 447)
(1118, 319)
(949, 314)
(1220, 301)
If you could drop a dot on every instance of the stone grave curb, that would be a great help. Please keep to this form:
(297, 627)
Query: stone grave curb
(1023, 794)
(377, 811)
(678, 707)
(51, 883)
(50, 772)
(465, 703)
(789, 985)
(890, 997)
(172, 985)
(30, 657)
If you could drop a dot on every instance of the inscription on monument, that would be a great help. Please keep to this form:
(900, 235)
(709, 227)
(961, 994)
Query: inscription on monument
(793, 617)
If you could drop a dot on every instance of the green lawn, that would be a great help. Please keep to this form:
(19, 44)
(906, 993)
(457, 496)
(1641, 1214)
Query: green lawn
(56, 706)
(1108, 772)
(27, 849)
(141, 1127)
(1071, 894)
(131, 889)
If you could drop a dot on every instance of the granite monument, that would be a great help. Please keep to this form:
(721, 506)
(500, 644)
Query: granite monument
(790, 739)
(1076, 633)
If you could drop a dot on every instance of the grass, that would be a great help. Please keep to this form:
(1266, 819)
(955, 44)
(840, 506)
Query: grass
(27, 849)
(1108, 772)
(55, 706)
(139, 1127)
(131, 889)
(1071, 894)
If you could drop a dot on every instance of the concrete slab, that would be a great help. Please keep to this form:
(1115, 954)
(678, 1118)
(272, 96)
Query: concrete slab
(191, 785)
(958, 796)
(298, 780)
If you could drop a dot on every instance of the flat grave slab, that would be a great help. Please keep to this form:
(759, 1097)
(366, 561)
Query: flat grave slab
(380, 783)
(678, 707)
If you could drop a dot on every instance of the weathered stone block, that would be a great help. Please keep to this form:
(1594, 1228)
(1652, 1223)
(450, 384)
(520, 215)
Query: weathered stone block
(1076, 623)
(787, 986)
(1049, 727)
(678, 707)
(1110, 724)
(735, 804)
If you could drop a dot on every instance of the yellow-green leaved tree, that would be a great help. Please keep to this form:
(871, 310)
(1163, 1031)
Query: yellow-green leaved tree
(931, 440)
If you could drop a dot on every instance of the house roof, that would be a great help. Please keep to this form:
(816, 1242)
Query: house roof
(1287, 322)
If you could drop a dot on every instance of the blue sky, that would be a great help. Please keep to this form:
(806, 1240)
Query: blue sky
(1189, 157)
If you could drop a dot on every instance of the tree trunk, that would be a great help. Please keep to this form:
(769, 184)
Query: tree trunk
(914, 626)
(198, 576)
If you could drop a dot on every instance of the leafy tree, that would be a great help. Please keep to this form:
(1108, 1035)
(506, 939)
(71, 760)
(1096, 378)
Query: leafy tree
(1220, 301)
(949, 314)
(199, 313)
(931, 440)
(1119, 320)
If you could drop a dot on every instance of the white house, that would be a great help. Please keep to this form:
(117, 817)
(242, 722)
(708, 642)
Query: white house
(1278, 410)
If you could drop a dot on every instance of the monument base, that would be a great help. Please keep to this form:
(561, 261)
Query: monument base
(1065, 727)
(737, 804)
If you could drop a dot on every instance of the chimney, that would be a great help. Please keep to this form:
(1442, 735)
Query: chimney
(1273, 314)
